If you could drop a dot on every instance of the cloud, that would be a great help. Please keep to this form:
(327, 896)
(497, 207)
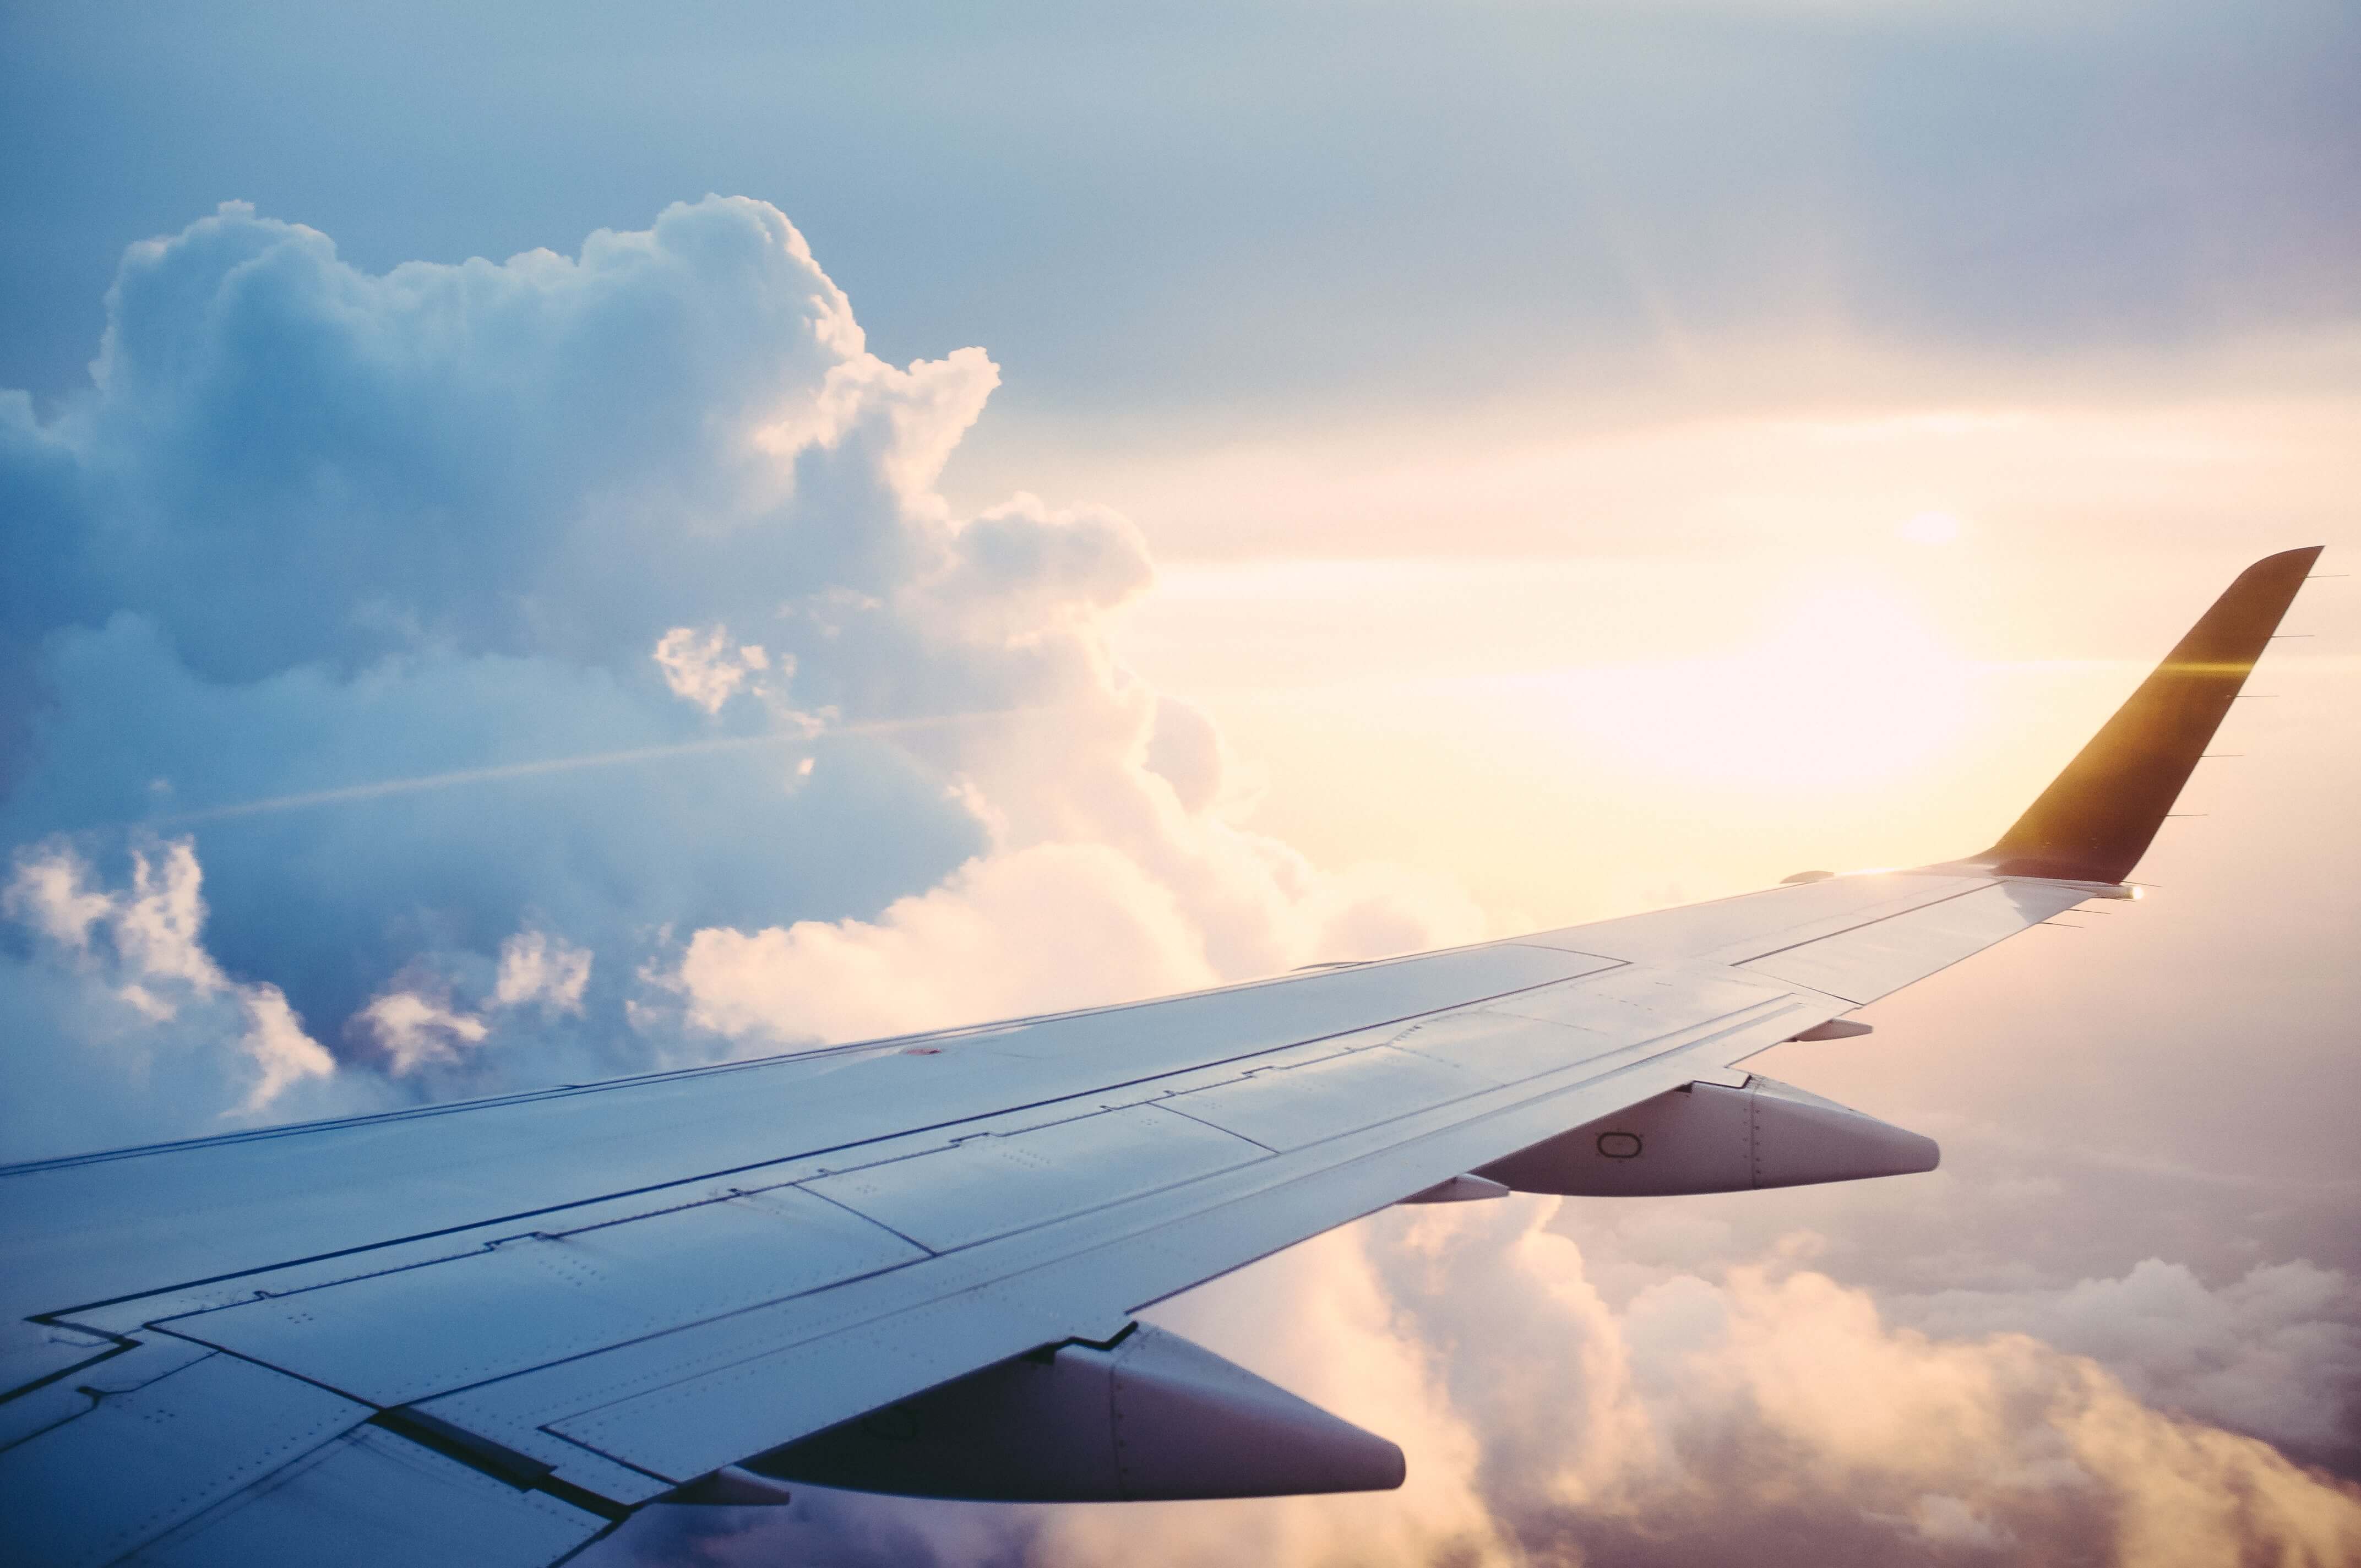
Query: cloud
(1757, 1409)
(540, 969)
(700, 669)
(450, 618)
(416, 1025)
(124, 1022)
(1072, 925)
(2275, 1352)
(415, 1030)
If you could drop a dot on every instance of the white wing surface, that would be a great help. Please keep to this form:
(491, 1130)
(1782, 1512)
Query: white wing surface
(487, 1331)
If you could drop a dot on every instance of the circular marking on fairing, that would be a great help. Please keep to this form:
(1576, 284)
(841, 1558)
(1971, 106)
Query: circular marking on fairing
(1619, 1146)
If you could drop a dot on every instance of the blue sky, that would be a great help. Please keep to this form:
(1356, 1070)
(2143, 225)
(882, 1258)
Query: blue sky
(1222, 212)
(1103, 504)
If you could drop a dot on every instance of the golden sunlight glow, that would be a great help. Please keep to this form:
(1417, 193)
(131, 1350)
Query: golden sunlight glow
(1853, 686)
(1699, 655)
(1931, 527)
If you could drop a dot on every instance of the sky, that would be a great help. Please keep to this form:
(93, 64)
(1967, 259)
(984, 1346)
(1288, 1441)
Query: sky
(545, 545)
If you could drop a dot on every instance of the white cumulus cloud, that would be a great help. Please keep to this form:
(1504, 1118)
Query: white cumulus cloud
(142, 1001)
(701, 668)
(446, 609)
(1758, 1410)
(540, 969)
(416, 1030)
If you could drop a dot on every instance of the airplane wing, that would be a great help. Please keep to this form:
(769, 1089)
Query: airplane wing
(488, 1332)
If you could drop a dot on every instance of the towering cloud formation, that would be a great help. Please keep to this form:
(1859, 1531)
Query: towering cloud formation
(569, 666)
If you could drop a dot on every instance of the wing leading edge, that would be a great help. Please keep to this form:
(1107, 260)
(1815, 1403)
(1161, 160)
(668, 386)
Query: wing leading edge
(490, 1331)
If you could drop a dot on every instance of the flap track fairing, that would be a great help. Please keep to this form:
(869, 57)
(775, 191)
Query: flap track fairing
(1148, 1416)
(1708, 1137)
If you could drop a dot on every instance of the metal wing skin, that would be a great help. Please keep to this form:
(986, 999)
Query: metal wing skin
(487, 1331)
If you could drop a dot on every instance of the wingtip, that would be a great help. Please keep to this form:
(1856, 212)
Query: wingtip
(2098, 816)
(2306, 553)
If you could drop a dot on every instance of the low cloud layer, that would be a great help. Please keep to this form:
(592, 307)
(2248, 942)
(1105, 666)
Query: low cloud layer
(1756, 1409)
(475, 676)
